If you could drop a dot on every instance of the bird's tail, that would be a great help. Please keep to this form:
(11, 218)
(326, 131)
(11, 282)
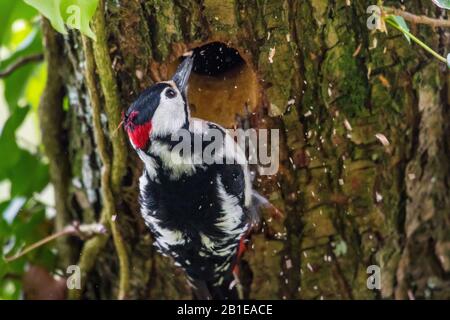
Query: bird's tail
(260, 202)
(227, 290)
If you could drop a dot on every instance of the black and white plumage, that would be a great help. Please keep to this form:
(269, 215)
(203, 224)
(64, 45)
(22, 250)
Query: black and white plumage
(197, 212)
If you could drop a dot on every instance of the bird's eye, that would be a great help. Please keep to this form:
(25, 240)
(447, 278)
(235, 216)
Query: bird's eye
(170, 93)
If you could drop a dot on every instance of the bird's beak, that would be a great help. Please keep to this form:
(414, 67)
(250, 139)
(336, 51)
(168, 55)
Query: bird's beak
(181, 76)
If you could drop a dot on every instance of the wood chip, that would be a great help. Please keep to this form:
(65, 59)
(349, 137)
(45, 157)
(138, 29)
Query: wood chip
(378, 197)
(384, 81)
(382, 138)
(347, 125)
(357, 51)
(271, 54)
(288, 264)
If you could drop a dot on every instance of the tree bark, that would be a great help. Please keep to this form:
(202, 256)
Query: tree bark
(314, 71)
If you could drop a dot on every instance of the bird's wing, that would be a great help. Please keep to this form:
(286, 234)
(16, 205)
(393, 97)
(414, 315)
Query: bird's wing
(231, 153)
(148, 200)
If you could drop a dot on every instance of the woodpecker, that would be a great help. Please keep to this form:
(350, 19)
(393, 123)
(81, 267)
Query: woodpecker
(199, 213)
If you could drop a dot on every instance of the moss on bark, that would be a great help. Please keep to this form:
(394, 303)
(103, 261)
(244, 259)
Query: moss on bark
(330, 86)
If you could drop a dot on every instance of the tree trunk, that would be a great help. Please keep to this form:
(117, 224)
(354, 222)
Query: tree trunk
(313, 70)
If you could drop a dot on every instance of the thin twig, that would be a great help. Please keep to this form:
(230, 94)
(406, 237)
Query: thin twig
(106, 188)
(75, 229)
(112, 106)
(21, 62)
(418, 41)
(408, 16)
(118, 160)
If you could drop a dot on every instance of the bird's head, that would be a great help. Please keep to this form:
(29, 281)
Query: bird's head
(160, 110)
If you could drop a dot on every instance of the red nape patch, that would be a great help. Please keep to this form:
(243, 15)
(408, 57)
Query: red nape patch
(140, 135)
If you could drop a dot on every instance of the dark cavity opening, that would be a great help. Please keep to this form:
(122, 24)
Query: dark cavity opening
(215, 59)
(223, 86)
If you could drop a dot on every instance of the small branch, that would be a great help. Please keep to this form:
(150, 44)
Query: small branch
(21, 62)
(93, 247)
(107, 178)
(418, 19)
(112, 106)
(53, 132)
(418, 41)
(84, 231)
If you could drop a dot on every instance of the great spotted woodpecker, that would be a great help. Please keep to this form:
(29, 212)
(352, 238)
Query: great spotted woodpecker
(198, 212)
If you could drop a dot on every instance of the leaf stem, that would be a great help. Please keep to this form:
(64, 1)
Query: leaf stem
(417, 40)
(418, 19)
(75, 229)
(40, 243)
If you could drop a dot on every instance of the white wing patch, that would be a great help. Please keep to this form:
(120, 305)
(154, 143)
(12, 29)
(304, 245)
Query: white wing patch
(169, 237)
(232, 152)
(232, 213)
(207, 242)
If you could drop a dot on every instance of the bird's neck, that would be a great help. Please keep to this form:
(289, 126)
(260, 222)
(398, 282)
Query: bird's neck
(163, 155)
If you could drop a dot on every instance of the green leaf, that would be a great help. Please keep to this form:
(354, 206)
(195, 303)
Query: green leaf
(401, 23)
(14, 122)
(444, 4)
(448, 60)
(35, 86)
(5, 228)
(5, 13)
(12, 11)
(76, 14)
(30, 175)
(50, 10)
(14, 207)
(16, 82)
(8, 143)
(10, 289)
(26, 225)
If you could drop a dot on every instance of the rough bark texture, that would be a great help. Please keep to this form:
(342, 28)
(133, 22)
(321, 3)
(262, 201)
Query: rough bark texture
(316, 72)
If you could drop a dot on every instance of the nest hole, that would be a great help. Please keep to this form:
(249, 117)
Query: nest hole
(216, 59)
(223, 86)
